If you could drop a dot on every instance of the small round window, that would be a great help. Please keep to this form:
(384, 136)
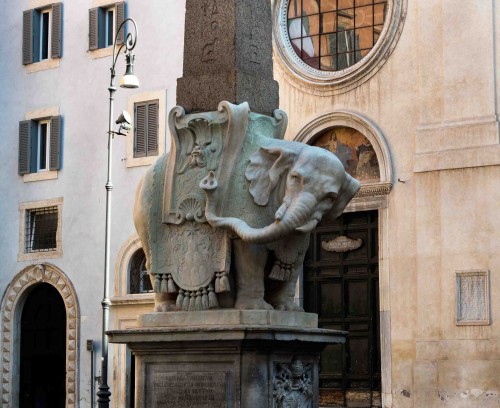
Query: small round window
(335, 44)
(332, 35)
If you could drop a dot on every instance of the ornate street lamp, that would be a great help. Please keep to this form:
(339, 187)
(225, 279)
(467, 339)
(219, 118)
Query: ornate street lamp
(129, 80)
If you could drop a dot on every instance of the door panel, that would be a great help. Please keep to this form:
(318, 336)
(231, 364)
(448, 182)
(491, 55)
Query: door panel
(342, 287)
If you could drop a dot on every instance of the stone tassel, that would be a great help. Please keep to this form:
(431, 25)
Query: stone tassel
(217, 282)
(204, 299)
(198, 305)
(212, 298)
(157, 283)
(171, 286)
(185, 302)
(163, 287)
(192, 301)
(224, 282)
(180, 299)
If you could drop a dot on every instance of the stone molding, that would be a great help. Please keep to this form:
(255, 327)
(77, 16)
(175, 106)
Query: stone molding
(127, 250)
(373, 196)
(12, 304)
(35, 256)
(317, 82)
(366, 127)
(161, 95)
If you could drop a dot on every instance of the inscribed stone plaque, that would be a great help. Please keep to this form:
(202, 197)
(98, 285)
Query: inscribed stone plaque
(472, 298)
(198, 389)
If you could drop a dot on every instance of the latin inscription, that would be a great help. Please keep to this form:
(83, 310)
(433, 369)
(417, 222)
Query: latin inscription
(190, 390)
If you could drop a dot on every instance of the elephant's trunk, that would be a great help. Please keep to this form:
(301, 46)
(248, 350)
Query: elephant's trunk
(296, 215)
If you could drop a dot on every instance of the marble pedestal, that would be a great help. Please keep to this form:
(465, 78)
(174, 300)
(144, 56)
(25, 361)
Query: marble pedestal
(227, 359)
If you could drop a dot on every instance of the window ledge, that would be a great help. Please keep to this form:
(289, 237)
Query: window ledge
(35, 256)
(43, 65)
(133, 299)
(44, 175)
(101, 52)
(141, 161)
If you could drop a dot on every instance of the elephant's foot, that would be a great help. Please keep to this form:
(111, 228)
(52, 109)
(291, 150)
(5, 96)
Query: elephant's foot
(289, 306)
(168, 306)
(165, 302)
(252, 304)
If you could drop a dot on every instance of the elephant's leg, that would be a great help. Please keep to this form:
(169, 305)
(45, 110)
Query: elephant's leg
(165, 302)
(250, 261)
(281, 293)
(142, 218)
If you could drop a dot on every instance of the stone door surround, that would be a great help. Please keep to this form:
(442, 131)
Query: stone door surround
(11, 309)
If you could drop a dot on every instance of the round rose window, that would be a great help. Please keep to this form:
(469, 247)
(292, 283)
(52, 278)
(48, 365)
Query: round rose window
(332, 35)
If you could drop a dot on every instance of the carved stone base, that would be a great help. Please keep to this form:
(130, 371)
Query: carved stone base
(226, 366)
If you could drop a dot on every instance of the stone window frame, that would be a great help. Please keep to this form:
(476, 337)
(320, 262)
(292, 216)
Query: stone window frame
(11, 307)
(371, 196)
(49, 63)
(467, 273)
(30, 205)
(335, 82)
(125, 308)
(161, 96)
(36, 115)
(108, 50)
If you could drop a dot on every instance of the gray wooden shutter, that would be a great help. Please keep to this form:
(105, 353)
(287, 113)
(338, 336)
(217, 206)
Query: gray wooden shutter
(152, 142)
(27, 146)
(140, 130)
(56, 40)
(27, 37)
(93, 33)
(120, 16)
(55, 143)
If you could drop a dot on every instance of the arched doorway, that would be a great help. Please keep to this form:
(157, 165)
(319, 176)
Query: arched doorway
(342, 273)
(43, 349)
(17, 296)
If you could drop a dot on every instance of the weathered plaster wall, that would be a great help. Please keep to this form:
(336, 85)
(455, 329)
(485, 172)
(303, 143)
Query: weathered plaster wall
(78, 87)
(436, 102)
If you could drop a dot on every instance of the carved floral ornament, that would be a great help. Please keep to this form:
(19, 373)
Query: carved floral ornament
(324, 82)
(15, 293)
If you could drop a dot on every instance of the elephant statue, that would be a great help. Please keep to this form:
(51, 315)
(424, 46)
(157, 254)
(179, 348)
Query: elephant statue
(234, 204)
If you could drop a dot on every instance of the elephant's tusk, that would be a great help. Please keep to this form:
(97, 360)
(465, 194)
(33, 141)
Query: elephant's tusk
(281, 212)
(308, 227)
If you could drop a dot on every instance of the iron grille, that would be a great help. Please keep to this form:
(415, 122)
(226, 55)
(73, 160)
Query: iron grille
(41, 229)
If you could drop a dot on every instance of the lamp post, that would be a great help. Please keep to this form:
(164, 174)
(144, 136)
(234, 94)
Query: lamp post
(129, 80)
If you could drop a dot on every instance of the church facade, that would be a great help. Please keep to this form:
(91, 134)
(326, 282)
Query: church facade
(405, 93)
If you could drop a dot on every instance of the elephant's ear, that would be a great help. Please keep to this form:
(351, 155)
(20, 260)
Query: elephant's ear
(348, 190)
(267, 166)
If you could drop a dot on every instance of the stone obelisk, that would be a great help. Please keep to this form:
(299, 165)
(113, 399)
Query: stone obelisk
(201, 348)
(228, 56)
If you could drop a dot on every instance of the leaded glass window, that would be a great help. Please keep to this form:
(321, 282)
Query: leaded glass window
(331, 35)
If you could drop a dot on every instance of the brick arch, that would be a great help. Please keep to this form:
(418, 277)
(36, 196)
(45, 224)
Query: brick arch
(11, 308)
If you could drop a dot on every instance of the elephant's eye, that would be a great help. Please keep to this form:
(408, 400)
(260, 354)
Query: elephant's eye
(294, 177)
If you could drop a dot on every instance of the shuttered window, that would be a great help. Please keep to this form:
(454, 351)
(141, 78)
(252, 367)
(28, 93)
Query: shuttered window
(42, 34)
(104, 23)
(40, 145)
(146, 129)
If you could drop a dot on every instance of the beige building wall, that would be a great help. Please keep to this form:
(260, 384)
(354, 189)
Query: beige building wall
(435, 100)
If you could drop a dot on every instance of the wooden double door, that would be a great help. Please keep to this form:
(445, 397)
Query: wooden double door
(341, 285)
